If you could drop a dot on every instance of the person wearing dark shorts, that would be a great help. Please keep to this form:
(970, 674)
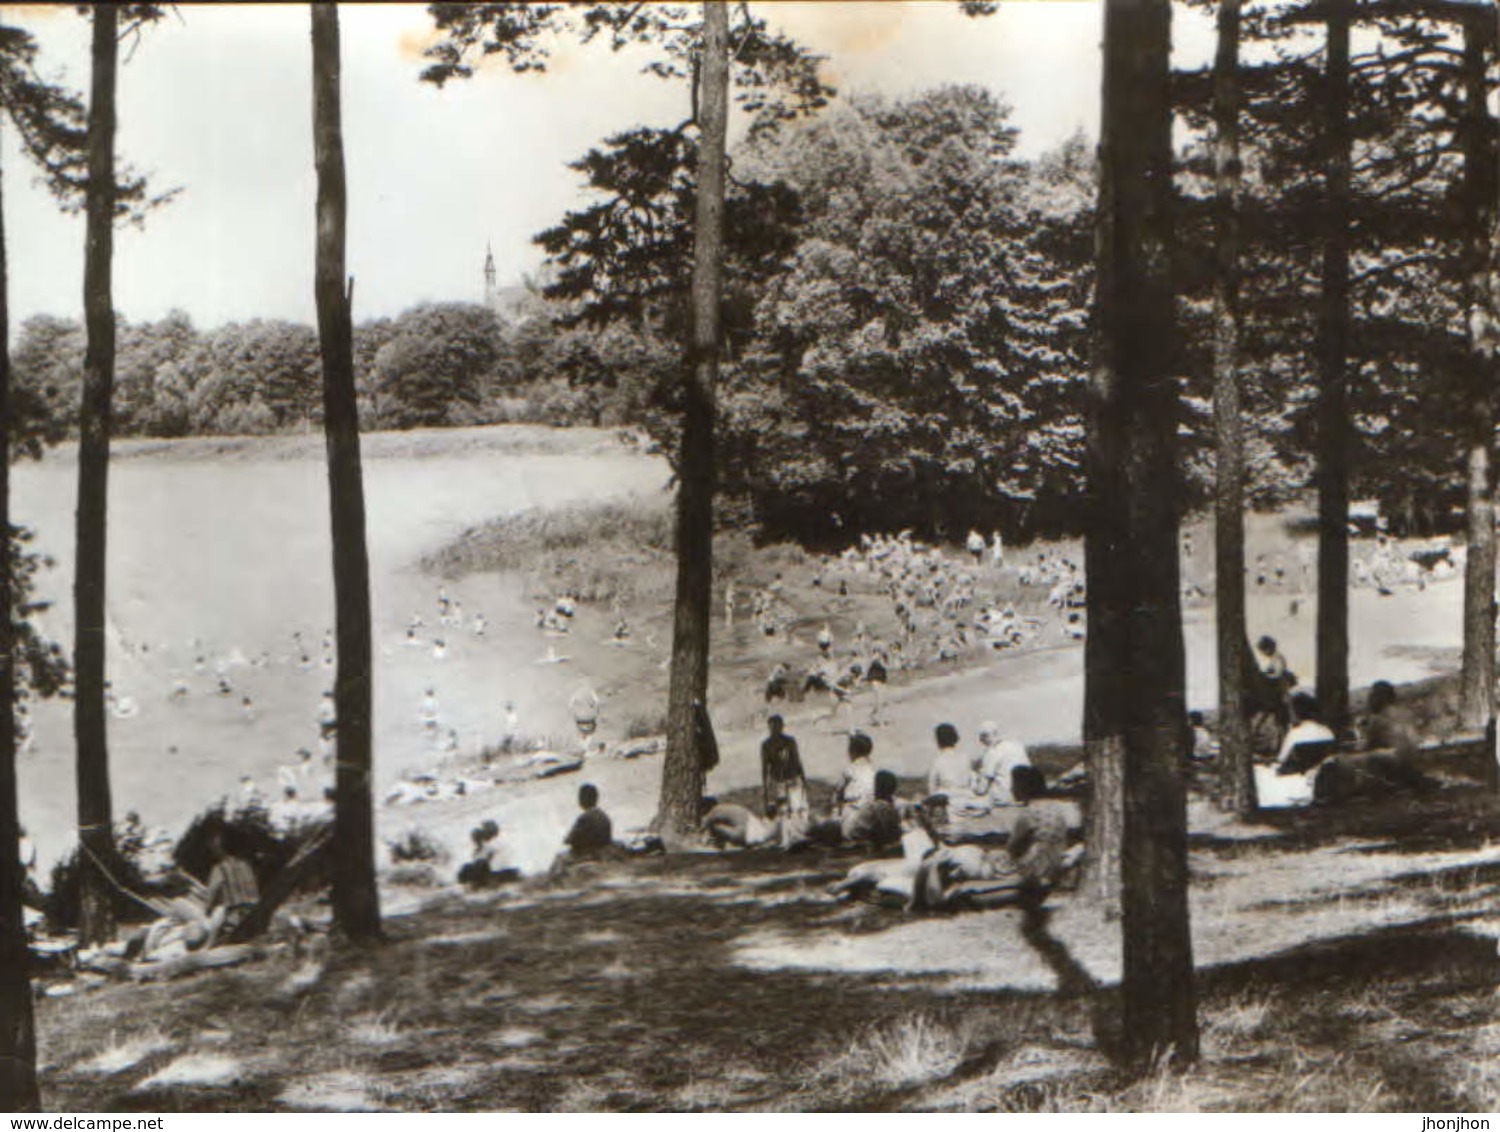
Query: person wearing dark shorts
(783, 781)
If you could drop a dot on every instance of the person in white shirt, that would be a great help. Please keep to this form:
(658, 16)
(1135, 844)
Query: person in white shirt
(975, 545)
(1308, 728)
(952, 777)
(857, 786)
(997, 762)
(1277, 786)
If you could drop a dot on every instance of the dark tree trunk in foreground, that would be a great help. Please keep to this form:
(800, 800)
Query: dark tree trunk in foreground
(1333, 376)
(1103, 656)
(356, 903)
(1236, 770)
(1136, 410)
(18, 1091)
(95, 808)
(1477, 682)
(683, 771)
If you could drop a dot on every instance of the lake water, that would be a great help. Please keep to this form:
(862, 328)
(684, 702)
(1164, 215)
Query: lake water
(224, 559)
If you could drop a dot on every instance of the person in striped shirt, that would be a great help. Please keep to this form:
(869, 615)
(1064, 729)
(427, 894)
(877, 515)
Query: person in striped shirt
(196, 922)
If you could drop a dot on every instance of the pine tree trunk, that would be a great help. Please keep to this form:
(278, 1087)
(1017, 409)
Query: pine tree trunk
(1477, 679)
(356, 902)
(1103, 648)
(1333, 398)
(682, 770)
(18, 1090)
(95, 809)
(1236, 769)
(1138, 358)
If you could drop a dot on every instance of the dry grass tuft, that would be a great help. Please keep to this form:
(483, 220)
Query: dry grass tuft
(1234, 1024)
(915, 1050)
(376, 1030)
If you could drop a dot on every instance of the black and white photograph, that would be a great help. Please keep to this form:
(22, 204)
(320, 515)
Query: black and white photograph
(778, 557)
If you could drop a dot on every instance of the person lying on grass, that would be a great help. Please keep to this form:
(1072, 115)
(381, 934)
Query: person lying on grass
(1034, 858)
(891, 882)
(731, 826)
(219, 909)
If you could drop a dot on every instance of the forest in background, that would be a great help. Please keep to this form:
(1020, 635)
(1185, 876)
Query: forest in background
(875, 378)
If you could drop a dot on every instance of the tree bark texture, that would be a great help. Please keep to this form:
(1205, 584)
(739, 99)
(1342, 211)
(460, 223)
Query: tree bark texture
(1480, 185)
(356, 902)
(1334, 434)
(682, 770)
(1137, 409)
(1236, 769)
(95, 806)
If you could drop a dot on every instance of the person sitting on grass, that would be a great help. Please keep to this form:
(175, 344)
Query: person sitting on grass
(997, 762)
(952, 772)
(1309, 741)
(220, 908)
(1387, 765)
(1204, 745)
(1307, 729)
(877, 822)
(592, 833)
(1389, 726)
(486, 866)
(857, 786)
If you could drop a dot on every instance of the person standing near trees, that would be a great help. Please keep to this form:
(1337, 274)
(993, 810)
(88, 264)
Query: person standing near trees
(1273, 663)
(783, 781)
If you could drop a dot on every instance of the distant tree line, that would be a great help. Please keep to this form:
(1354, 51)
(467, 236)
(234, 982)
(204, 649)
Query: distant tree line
(434, 365)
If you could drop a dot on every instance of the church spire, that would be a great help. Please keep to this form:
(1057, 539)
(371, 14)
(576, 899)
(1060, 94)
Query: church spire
(489, 277)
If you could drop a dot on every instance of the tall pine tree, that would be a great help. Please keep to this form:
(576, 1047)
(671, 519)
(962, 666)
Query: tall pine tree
(356, 901)
(1133, 425)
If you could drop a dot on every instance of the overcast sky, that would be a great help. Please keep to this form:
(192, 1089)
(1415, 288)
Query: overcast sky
(218, 101)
